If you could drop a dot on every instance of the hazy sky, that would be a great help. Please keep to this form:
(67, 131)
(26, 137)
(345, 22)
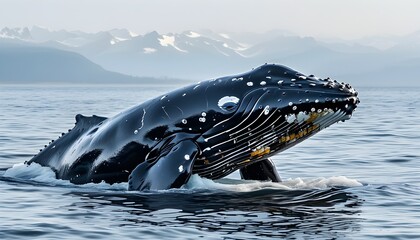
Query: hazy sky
(346, 19)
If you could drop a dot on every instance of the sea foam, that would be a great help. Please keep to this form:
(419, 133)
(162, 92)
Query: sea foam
(196, 182)
(38, 173)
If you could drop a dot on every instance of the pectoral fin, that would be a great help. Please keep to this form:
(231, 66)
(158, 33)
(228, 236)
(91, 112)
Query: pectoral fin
(171, 170)
(264, 170)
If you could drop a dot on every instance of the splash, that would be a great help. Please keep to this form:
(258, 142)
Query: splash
(196, 183)
(40, 174)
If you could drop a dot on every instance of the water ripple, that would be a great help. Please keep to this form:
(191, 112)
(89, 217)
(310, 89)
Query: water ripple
(379, 146)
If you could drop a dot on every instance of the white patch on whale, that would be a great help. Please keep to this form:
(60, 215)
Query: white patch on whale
(228, 102)
(290, 118)
(301, 117)
(142, 122)
(267, 110)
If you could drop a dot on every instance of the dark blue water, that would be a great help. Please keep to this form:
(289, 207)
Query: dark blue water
(354, 180)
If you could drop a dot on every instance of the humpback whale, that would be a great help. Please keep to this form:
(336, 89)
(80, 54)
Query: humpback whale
(211, 128)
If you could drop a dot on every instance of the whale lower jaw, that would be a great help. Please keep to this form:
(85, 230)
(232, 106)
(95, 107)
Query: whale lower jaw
(296, 128)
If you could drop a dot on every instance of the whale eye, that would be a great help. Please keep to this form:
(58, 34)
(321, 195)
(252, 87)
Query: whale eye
(228, 103)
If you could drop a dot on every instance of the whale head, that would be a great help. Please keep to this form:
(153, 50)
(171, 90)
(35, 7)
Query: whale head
(265, 111)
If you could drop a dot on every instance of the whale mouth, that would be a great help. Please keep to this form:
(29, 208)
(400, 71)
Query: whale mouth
(306, 119)
(321, 114)
(345, 106)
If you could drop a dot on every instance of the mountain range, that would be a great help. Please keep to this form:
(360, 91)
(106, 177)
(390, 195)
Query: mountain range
(119, 55)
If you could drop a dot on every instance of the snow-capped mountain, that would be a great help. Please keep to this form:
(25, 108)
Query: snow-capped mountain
(185, 55)
(199, 55)
(188, 54)
(15, 33)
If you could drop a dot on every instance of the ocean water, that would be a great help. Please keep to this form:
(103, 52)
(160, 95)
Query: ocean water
(354, 180)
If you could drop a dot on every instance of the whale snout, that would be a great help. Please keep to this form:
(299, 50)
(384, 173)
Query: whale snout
(312, 96)
(332, 94)
(345, 96)
(339, 98)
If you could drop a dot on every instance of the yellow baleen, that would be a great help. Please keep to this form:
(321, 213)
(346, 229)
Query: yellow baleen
(295, 136)
(260, 152)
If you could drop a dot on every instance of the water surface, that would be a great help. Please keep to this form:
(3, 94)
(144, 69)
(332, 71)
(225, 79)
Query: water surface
(354, 180)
